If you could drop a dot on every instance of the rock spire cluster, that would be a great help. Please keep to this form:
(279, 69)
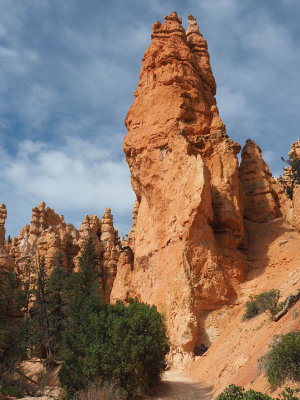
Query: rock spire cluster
(48, 234)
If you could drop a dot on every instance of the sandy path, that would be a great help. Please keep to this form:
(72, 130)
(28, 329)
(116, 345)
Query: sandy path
(177, 385)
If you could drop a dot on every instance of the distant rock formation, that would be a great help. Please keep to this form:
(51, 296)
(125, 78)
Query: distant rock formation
(6, 262)
(48, 234)
(184, 171)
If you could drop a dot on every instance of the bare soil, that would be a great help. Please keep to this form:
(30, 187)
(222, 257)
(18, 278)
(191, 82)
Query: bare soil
(177, 385)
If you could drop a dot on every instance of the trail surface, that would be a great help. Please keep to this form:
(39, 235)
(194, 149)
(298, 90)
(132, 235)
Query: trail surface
(177, 385)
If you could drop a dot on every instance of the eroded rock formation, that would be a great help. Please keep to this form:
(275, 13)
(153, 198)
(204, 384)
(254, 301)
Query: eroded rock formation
(184, 171)
(262, 191)
(48, 234)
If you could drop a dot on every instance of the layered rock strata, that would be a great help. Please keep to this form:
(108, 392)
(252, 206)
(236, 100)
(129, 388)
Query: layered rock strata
(184, 171)
(262, 191)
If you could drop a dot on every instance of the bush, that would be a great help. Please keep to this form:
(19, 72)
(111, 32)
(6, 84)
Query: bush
(251, 309)
(265, 302)
(122, 344)
(233, 392)
(12, 391)
(282, 361)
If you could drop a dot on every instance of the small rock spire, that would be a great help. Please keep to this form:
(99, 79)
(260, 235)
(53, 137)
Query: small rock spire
(198, 45)
(3, 215)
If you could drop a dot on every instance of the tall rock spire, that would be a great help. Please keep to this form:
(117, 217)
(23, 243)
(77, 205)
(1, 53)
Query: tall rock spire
(198, 45)
(184, 171)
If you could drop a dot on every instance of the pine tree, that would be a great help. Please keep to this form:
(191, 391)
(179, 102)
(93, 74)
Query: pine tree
(83, 292)
(56, 306)
(39, 323)
(12, 338)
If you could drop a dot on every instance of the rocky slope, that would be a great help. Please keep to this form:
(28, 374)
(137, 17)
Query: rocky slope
(235, 345)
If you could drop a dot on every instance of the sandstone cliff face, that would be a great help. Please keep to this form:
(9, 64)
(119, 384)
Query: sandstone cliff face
(184, 171)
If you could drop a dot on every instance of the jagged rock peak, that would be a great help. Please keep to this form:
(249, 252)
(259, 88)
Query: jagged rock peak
(192, 25)
(171, 26)
(295, 148)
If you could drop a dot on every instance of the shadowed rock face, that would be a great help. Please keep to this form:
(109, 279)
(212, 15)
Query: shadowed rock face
(261, 189)
(184, 171)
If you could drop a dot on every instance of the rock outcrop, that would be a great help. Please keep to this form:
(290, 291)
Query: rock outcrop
(184, 171)
(48, 234)
(262, 191)
(6, 262)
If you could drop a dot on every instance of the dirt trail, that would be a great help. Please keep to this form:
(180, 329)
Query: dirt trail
(177, 385)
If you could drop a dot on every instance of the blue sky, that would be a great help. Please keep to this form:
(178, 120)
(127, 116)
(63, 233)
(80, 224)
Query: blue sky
(68, 70)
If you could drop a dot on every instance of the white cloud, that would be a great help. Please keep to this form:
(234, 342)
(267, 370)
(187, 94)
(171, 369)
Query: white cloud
(73, 177)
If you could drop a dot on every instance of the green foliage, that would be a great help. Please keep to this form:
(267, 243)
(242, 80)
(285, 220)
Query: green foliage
(12, 391)
(251, 309)
(282, 361)
(48, 313)
(287, 394)
(124, 345)
(9, 239)
(39, 323)
(56, 307)
(233, 392)
(265, 302)
(82, 290)
(12, 343)
(294, 162)
(129, 346)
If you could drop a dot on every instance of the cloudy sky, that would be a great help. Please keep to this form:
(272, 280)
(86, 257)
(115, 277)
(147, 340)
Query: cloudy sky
(68, 70)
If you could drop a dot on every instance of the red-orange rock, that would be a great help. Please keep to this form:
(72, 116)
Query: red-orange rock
(261, 189)
(49, 234)
(184, 171)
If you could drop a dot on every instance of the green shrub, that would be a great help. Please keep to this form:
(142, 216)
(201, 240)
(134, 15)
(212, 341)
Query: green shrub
(282, 361)
(265, 302)
(233, 392)
(251, 309)
(12, 391)
(122, 344)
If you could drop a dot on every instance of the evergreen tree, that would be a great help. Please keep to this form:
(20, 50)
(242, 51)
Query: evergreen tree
(56, 306)
(12, 338)
(127, 345)
(82, 290)
(39, 323)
